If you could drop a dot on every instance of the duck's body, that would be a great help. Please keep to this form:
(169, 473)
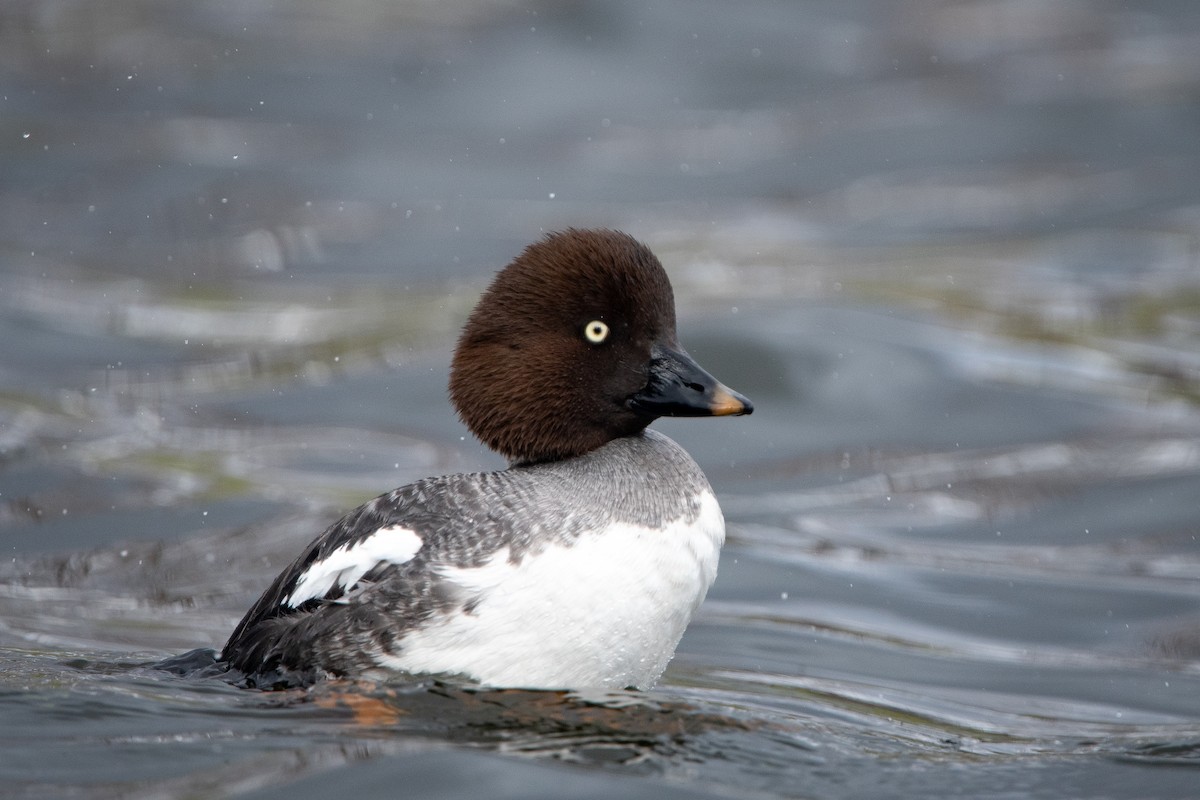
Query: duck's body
(581, 564)
(579, 573)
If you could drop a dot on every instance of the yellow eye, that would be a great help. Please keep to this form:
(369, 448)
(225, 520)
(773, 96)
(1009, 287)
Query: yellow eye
(595, 331)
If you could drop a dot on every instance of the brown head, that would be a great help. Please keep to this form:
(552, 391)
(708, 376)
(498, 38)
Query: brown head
(574, 345)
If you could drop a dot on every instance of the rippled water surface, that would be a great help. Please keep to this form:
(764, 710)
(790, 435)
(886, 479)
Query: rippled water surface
(950, 249)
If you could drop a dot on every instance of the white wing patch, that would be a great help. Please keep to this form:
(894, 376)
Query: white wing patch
(344, 567)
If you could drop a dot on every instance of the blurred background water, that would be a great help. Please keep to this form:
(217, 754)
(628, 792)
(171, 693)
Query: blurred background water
(951, 248)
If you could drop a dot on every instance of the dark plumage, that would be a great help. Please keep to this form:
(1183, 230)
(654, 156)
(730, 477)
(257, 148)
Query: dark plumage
(509, 367)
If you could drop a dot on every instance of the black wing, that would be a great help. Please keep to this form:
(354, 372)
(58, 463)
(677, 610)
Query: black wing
(461, 519)
(354, 527)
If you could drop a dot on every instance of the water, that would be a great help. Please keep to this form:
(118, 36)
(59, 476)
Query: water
(949, 249)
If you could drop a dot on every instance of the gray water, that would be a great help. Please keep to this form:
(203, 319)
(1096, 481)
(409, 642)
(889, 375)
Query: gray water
(951, 250)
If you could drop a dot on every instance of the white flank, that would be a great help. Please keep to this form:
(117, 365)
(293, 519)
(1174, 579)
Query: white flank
(604, 611)
(347, 564)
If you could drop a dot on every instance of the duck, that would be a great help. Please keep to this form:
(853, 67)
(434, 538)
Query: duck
(577, 566)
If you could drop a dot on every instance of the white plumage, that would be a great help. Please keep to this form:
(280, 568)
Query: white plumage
(606, 610)
(347, 564)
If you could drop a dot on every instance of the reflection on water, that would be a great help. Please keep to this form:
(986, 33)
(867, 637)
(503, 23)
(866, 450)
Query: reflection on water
(949, 248)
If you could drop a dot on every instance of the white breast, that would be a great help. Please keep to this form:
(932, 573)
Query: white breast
(604, 611)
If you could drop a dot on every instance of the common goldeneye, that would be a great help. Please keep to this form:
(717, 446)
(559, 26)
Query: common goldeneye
(577, 566)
